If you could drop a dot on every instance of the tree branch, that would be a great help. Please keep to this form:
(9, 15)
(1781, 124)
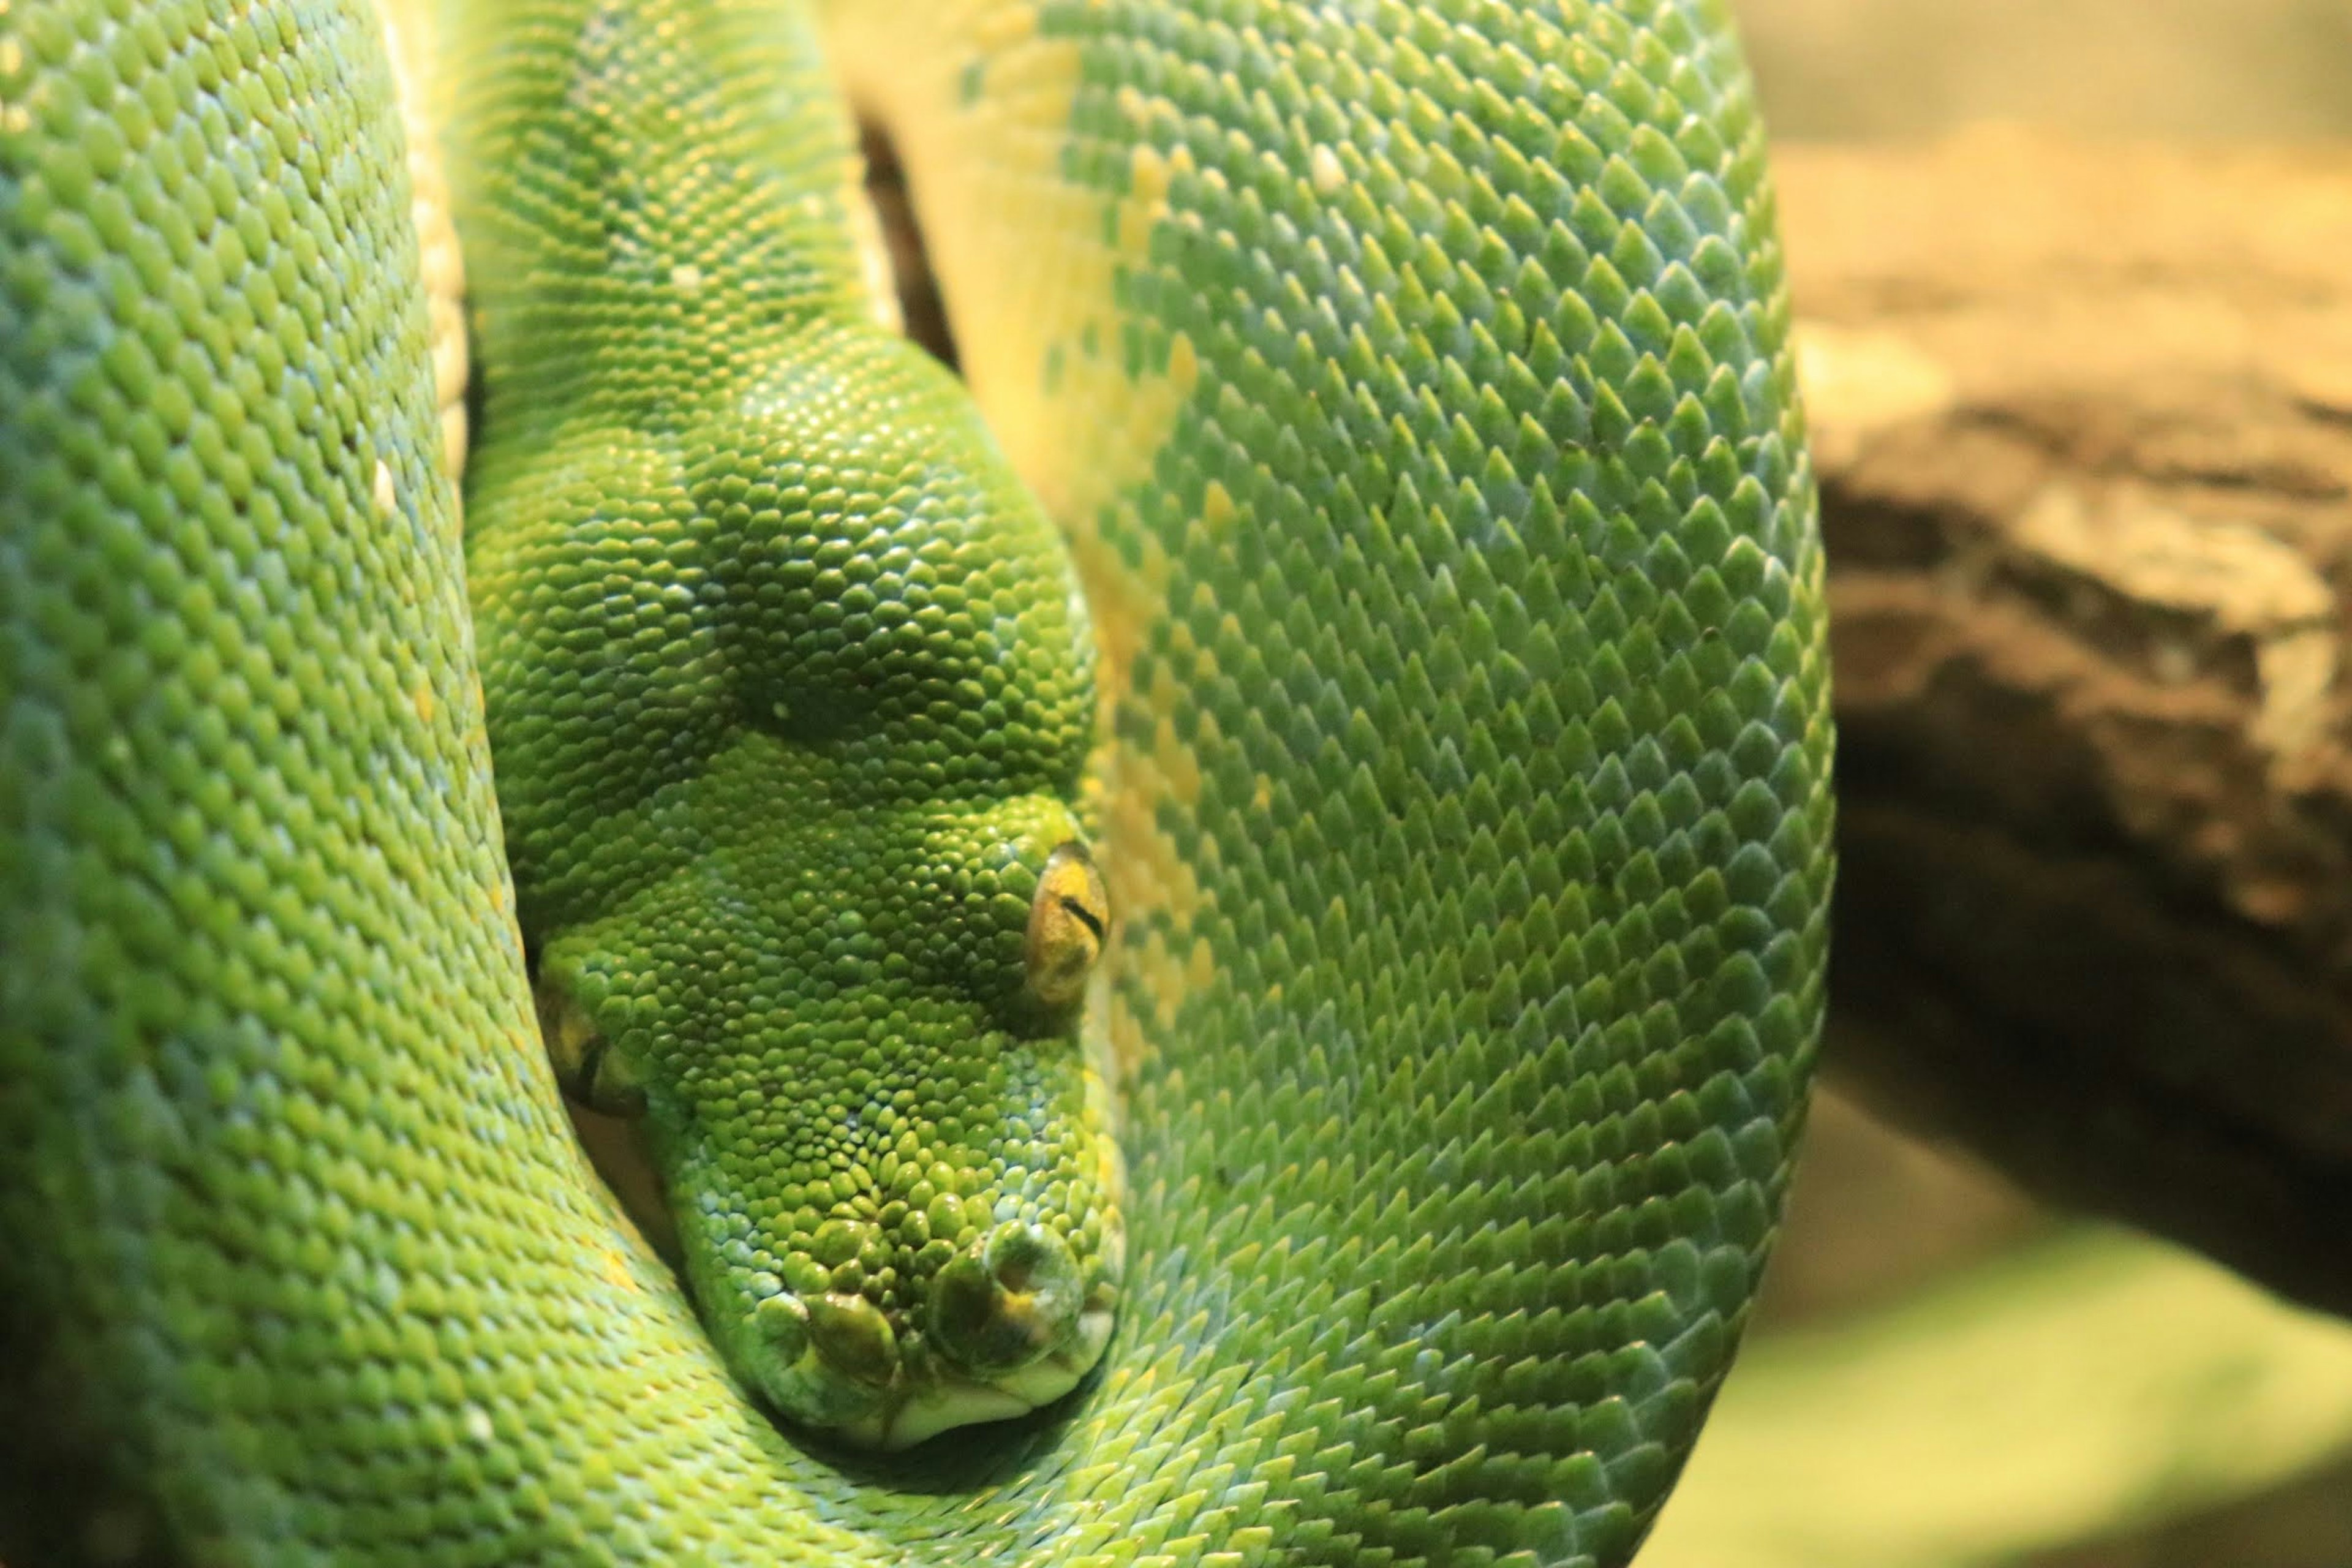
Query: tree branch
(2084, 424)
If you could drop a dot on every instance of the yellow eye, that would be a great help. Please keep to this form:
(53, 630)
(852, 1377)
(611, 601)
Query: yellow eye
(1067, 923)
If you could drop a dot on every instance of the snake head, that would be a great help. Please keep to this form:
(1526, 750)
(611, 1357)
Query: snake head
(789, 779)
(939, 1288)
(896, 1194)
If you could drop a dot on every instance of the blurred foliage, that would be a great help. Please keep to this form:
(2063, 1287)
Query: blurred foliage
(1943, 1376)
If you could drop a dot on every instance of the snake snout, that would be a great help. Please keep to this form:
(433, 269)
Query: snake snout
(1009, 1302)
(829, 1361)
(846, 1336)
(1013, 1321)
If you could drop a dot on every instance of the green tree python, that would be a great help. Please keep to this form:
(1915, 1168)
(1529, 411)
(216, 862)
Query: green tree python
(1282, 1022)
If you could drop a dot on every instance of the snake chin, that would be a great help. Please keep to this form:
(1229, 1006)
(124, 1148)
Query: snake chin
(961, 1402)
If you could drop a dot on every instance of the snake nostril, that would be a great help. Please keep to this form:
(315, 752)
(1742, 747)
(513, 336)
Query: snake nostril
(851, 1333)
(1028, 1258)
(784, 1322)
(1012, 1300)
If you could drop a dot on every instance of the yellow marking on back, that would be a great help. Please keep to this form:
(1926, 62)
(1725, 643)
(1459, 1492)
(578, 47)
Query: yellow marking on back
(1151, 881)
(1147, 197)
(1134, 1034)
(1324, 168)
(877, 272)
(1201, 967)
(1183, 365)
(617, 1273)
(409, 41)
(1216, 507)
(1024, 258)
(1122, 601)
(1003, 28)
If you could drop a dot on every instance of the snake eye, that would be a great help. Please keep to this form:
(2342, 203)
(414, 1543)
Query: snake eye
(1066, 925)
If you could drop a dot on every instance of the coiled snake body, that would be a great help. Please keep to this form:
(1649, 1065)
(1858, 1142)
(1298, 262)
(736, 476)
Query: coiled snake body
(1411, 380)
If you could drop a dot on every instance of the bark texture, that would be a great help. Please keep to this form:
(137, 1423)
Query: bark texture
(2084, 426)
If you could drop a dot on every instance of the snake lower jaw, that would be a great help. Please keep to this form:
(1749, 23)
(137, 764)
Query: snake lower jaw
(958, 1401)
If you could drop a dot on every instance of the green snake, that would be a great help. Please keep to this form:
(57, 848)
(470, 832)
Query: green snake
(1302, 1002)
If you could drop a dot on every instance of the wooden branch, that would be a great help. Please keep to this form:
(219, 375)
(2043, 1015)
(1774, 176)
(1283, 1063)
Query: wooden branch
(2083, 426)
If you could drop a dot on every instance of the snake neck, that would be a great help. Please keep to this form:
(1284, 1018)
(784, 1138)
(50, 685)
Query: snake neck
(664, 164)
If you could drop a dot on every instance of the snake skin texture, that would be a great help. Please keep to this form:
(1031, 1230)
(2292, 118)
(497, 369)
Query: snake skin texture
(1412, 382)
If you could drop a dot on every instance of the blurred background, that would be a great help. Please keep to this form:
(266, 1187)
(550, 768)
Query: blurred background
(2269, 70)
(1942, 1372)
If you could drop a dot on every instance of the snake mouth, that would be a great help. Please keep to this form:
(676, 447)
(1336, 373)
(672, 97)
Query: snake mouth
(1012, 1324)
